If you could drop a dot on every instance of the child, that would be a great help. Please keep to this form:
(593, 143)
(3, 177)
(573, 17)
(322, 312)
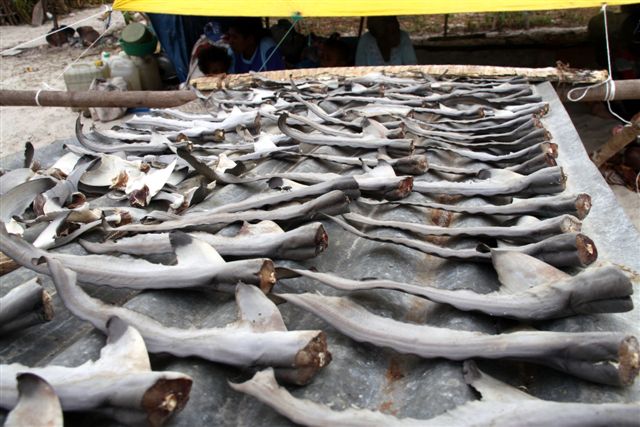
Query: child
(213, 60)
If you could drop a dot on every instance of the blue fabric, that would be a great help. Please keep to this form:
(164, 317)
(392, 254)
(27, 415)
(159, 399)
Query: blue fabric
(266, 46)
(177, 35)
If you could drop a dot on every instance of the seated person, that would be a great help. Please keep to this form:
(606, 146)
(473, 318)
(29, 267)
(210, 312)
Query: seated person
(213, 60)
(334, 53)
(310, 55)
(385, 44)
(251, 48)
(291, 43)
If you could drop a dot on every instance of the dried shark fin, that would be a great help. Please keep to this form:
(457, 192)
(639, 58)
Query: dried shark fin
(47, 237)
(603, 357)
(263, 227)
(371, 127)
(504, 405)
(197, 164)
(264, 387)
(141, 274)
(256, 311)
(63, 166)
(144, 187)
(518, 272)
(16, 200)
(124, 348)
(37, 405)
(224, 163)
(25, 305)
(501, 406)
(490, 388)
(112, 171)
(265, 239)
(120, 378)
(13, 178)
(596, 290)
(139, 244)
(190, 250)
(29, 152)
(258, 338)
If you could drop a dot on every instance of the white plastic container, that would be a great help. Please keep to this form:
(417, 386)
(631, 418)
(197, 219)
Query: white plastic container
(78, 77)
(123, 66)
(106, 58)
(148, 71)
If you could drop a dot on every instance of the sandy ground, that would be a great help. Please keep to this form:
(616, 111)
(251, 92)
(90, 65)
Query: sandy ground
(42, 64)
(39, 65)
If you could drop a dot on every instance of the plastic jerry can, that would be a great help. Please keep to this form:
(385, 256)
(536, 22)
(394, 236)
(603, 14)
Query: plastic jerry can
(149, 72)
(105, 57)
(78, 77)
(123, 66)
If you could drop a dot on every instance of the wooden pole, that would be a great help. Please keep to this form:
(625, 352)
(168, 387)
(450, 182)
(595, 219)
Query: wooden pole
(7, 265)
(625, 89)
(159, 99)
(446, 25)
(361, 27)
(616, 143)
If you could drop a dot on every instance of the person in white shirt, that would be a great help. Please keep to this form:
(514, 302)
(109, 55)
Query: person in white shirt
(385, 44)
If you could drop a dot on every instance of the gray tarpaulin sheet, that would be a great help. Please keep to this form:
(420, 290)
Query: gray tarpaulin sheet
(360, 375)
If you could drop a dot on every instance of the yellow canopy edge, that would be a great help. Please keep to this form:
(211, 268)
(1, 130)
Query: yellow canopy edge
(309, 8)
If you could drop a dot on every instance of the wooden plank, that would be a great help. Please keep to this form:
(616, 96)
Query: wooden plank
(552, 74)
(616, 143)
(7, 265)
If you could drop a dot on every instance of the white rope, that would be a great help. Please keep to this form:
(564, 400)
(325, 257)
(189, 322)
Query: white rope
(610, 85)
(37, 100)
(107, 9)
(584, 90)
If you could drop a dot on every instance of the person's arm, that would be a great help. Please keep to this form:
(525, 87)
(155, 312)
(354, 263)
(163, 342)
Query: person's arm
(408, 52)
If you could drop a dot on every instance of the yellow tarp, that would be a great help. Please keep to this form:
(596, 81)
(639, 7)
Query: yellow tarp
(308, 8)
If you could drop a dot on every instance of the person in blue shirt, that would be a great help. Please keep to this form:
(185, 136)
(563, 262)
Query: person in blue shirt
(251, 48)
